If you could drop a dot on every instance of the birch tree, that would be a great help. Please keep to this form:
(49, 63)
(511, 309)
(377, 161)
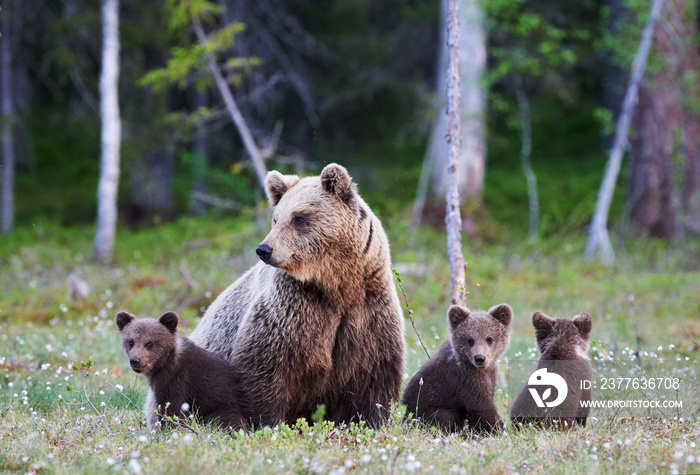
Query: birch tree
(453, 218)
(111, 135)
(471, 111)
(598, 238)
(8, 116)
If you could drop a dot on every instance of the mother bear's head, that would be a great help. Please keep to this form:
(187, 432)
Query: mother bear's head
(320, 224)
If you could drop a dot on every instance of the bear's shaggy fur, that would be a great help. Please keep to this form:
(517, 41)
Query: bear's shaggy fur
(563, 346)
(179, 372)
(457, 385)
(318, 321)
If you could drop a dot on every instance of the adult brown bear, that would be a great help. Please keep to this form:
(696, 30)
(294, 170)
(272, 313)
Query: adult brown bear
(318, 321)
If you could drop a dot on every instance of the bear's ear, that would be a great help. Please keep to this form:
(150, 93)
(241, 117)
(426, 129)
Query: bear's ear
(123, 319)
(584, 323)
(503, 313)
(543, 325)
(336, 181)
(457, 314)
(169, 320)
(277, 185)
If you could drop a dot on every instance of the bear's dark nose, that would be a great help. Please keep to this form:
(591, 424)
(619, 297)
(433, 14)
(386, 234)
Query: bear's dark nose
(264, 252)
(479, 360)
(134, 362)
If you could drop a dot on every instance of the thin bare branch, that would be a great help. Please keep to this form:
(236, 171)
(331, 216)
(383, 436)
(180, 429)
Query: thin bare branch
(240, 123)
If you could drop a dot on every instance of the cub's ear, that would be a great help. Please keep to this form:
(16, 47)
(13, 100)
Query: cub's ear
(503, 313)
(584, 323)
(277, 185)
(457, 314)
(169, 320)
(336, 181)
(123, 319)
(543, 325)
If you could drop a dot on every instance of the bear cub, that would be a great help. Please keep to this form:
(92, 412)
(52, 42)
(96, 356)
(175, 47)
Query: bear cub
(563, 344)
(183, 377)
(457, 385)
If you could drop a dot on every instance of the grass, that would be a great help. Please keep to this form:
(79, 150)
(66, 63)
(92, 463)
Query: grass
(183, 265)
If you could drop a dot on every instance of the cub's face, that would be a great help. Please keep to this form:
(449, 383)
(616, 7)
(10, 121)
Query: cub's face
(574, 333)
(147, 342)
(315, 219)
(480, 338)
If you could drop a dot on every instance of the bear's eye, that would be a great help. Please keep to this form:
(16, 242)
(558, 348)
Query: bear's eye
(149, 345)
(131, 343)
(471, 341)
(489, 340)
(298, 220)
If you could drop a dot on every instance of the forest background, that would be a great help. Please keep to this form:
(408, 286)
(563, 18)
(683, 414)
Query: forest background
(358, 83)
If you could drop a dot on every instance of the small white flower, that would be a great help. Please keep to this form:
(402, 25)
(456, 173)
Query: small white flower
(143, 438)
(135, 466)
(110, 461)
(187, 438)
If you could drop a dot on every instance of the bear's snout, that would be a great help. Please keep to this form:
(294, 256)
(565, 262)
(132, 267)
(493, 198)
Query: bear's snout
(264, 252)
(134, 362)
(479, 360)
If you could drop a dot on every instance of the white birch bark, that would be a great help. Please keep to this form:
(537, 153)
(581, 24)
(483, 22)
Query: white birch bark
(238, 120)
(8, 115)
(453, 218)
(525, 150)
(472, 67)
(111, 135)
(598, 238)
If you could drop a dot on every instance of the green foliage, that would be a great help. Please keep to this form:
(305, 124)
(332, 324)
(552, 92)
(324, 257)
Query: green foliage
(188, 63)
(533, 40)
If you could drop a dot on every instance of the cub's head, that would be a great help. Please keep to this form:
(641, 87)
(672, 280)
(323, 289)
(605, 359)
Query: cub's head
(315, 220)
(565, 339)
(149, 343)
(480, 338)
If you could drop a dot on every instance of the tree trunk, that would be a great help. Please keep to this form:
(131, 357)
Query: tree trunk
(691, 138)
(8, 117)
(453, 219)
(111, 135)
(472, 106)
(472, 64)
(598, 238)
(199, 162)
(526, 163)
(665, 147)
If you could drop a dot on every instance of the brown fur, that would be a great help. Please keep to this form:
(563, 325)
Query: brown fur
(459, 382)
(321, 322)
(559, 340)
(178, 372)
